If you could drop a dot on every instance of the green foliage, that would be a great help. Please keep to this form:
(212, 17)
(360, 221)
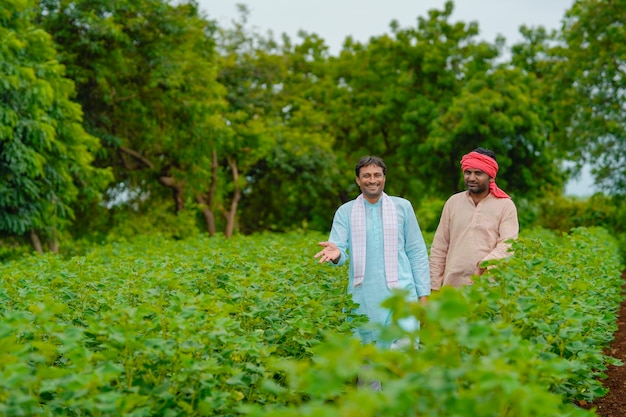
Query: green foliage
(45, 155)
(255, 326)
(158, 220)
(525, 340)
(428, 213)
(594, 35)
(164, 89)
(146, 76)
(287, 121)
(290, 166)
(498, 111)
(13, 249)
(580, 80)
(160, 327)
(424, 96)
(565, 213)
(566, 302)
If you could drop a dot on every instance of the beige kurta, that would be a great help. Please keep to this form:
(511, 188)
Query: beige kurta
(468, 234)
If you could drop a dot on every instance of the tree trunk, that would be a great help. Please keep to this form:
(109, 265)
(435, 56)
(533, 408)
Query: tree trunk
(54, 243)
(232, 213)
(36, 242)
(177, 191)
(209, 217)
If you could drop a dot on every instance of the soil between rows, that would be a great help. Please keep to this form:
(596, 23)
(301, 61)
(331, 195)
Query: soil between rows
(613, 404)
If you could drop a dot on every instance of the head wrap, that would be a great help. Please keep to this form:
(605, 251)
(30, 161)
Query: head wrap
(486, 164)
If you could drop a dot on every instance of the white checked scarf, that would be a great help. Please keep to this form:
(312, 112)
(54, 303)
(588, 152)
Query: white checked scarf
(390, 240)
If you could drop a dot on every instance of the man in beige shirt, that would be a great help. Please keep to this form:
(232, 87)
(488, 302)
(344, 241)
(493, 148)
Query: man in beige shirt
(475, 224)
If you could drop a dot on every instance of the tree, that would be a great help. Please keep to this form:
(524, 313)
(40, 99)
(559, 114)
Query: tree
(498, 111)
(278, 129)
(426, 95)
(593, 89)
(45, 154)
(146, 76)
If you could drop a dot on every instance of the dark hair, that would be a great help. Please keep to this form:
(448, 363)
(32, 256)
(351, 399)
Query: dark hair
(487, 152)
(370, 160)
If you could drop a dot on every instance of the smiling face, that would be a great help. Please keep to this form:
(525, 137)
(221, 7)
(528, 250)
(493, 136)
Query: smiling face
(476, 181)
(371, 181)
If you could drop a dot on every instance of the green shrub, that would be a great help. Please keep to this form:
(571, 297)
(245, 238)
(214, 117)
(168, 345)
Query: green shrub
(428, 213)
(254, 325)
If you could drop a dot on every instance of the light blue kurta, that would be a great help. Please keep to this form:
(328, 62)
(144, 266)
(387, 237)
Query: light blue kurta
(413, 269)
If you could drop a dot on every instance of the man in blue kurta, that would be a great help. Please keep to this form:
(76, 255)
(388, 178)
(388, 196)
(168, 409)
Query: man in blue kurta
(386, 246)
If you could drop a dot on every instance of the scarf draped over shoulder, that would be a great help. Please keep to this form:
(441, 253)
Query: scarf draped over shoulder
(390, 240)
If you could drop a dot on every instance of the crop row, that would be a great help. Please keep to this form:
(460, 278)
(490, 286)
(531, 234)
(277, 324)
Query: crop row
(253, 325)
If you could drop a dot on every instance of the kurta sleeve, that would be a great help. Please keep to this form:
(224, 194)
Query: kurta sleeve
(508, 230)
(340, 233)
(415, 248)
(439, 249)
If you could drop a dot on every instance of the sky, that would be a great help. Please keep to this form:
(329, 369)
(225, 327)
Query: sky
(334, 20)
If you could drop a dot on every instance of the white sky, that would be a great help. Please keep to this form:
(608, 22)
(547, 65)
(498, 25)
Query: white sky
(334, 20)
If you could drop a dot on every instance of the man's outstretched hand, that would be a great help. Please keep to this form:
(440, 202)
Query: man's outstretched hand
(330, 253)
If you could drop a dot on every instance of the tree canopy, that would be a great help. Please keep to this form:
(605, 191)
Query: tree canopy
(239, 131)
(45, 154)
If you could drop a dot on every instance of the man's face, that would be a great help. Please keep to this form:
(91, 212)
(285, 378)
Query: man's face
(476, 181)
(371, 181)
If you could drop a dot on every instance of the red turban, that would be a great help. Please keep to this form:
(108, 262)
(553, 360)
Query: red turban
(486, 164)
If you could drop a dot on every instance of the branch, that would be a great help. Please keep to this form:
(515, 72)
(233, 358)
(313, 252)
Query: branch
(137, 156)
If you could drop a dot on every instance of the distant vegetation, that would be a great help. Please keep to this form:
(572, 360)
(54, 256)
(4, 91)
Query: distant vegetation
(122, 118)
